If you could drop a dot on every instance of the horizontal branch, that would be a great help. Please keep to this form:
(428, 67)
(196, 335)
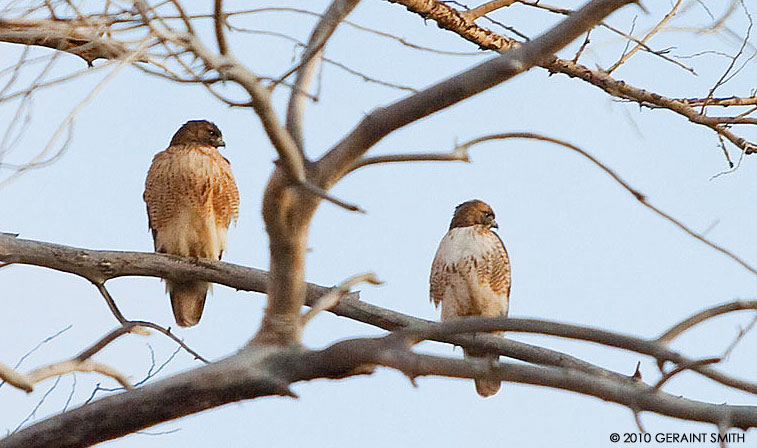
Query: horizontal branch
(259, 371)
(637, 397)
(79, 41)
(652, 348)
(104, 265)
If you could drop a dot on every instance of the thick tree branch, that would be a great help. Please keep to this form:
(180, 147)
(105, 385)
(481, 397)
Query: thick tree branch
(265, 370)
(450, 19)
(105, 265)
(77, 39)
(383, 121)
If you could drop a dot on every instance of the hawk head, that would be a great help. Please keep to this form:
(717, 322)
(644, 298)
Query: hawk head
(473, 212)
(198, 132)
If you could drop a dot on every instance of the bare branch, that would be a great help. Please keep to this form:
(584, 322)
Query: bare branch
(104, 265)
(334, 164)
(704, 315)
(79, 41)
(219, 20)
(451, 20)
(331, 298)
(73, 365)
(257, 371)
(725, 102)
(486, 8)
(683, 367)
(80, 363)
(652, 32)
(111, 303)
(327, 25)
(15, 379)
(650, 348)
(460, 153)
(638, 195)
(67, 122)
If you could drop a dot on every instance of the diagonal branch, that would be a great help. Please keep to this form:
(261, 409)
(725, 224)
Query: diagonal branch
(332, 298)
(79, 363)
(383, 121)
(452, 20)
(327, 25)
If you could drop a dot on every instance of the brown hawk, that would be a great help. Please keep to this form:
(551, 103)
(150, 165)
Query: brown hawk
(191, 199)
(470, 275)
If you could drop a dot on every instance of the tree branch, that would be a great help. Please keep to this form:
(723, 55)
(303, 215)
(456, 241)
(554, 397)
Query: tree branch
(704, 315)
(265, 370)
(383, 121)
(105, 265)
(327, 25)
(450, 19)
(81, 41)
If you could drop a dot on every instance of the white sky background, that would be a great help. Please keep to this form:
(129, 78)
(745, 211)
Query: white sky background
(583, 250)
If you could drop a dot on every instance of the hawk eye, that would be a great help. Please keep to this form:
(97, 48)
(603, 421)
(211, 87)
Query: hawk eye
(212, 132)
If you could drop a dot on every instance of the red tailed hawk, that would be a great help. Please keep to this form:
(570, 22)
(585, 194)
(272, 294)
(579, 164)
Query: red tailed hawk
(470, 275)
(191, 199)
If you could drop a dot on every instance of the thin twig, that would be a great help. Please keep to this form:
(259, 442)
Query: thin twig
(331, 298)
(645, 39)
(486, 8)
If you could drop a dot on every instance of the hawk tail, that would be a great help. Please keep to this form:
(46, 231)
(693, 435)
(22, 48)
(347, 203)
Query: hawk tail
(187, 301)
(485, 388)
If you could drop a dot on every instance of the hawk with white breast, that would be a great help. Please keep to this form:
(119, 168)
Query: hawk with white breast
(470, 275)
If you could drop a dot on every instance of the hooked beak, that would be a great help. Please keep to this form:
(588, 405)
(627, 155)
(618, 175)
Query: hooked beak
(494, 225)
(220, 143)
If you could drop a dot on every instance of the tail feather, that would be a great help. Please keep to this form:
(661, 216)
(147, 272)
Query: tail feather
(485, 388)
(187, 301)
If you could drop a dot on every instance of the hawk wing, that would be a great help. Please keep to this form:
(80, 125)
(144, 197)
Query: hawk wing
(225, 194)
(470, 275)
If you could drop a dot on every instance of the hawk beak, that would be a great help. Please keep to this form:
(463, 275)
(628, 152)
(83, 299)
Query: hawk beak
(221, 143)
(494, 225)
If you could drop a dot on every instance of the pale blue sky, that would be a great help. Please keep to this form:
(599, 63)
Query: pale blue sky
(583, 250)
